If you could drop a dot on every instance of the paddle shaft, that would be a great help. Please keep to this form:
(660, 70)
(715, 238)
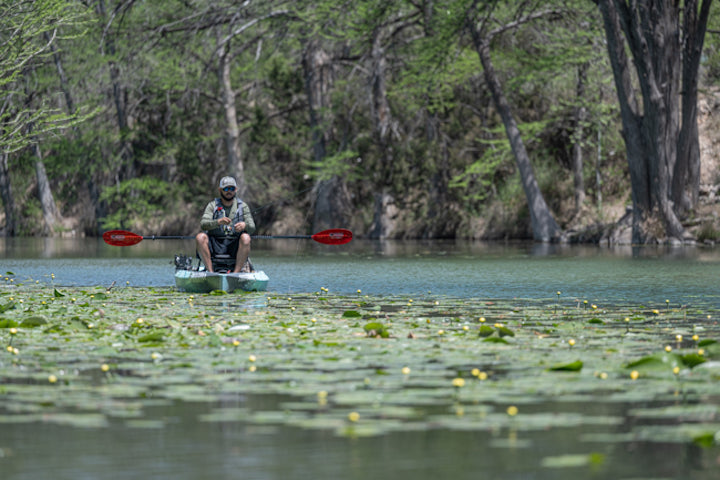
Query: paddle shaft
(123, 238)
(189, 237)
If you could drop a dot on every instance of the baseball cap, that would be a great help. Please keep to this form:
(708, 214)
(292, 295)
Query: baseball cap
(228, 182)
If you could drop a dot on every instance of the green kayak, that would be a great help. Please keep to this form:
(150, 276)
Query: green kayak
(194, 281)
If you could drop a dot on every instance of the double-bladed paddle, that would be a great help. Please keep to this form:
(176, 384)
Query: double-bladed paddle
(123, 238)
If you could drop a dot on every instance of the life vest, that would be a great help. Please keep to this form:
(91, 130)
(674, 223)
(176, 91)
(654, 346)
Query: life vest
(226, 230)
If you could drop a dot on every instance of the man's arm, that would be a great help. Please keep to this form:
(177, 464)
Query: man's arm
(248, 218)
(207, 223)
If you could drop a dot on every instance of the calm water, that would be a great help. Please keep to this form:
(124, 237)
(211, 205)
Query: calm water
(621, 274)
(186, 448)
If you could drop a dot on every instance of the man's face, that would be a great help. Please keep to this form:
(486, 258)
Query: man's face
(227, 193)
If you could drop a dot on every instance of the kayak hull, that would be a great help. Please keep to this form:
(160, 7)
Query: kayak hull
(193, 281)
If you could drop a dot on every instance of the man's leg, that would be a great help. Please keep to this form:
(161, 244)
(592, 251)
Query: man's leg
(203, 248)
(243, 252)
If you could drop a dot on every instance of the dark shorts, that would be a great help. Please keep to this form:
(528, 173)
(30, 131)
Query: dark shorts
(224, 246)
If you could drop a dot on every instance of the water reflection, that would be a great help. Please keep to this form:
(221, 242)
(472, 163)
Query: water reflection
(456, 268)
(187, 448)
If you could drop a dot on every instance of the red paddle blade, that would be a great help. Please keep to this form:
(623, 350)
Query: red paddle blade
(121, 238)
(334, 236)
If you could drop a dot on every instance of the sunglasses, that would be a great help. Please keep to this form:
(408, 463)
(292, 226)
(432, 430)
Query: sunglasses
(229, 189)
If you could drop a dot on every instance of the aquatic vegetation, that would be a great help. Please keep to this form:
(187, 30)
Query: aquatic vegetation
(360, 365)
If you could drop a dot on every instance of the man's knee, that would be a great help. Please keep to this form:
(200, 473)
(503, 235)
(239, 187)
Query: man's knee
(245, 239)
(201, 238)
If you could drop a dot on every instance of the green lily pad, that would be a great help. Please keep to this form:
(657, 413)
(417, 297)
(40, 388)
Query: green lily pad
(575, 366)
(34, 321)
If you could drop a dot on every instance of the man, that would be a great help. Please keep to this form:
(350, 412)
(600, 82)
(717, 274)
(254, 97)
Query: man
(227, 224)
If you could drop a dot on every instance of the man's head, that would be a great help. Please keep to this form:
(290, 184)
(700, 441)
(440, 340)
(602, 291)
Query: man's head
(227, 187)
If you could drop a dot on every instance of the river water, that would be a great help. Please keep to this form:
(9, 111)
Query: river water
(682, 275)
(186, 448)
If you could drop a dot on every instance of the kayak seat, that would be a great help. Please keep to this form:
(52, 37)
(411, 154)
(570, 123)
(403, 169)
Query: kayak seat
(223, 263)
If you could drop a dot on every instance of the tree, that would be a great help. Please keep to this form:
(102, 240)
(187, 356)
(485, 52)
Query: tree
(479, 22)
(236, 29)
(659, 116)
(28, 31)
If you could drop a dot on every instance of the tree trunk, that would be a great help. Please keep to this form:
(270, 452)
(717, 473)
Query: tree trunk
(384, 218)
(318, 72)
(119, 94)
(235, 165)
(577, 150)
(383, 125)
(51, 214)
(663, 155)
(686, 179)
(331, 198)
(544, 226)
(7, 197)
(332, 204)
(98, 206)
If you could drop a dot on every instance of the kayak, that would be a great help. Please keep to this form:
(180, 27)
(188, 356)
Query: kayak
(194, 281)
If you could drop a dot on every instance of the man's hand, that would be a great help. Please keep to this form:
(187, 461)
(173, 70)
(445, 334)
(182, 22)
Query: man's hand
(240, 226)
(224, 221)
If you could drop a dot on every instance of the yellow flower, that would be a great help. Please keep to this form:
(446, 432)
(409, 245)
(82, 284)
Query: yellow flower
(52, 379)
(458, 382)
(634, 374)
(353, 416)
(668, 348)
(676, 370)
(512, 410)
(571, 342)
(252, 358)
(406, 370)
(104, 367)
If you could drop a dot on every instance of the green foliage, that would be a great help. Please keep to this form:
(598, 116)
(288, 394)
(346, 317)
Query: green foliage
(136, 200)
(341, 165)
(156, 65)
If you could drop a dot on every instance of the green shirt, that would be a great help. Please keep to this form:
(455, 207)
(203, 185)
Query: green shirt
(208, 223)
